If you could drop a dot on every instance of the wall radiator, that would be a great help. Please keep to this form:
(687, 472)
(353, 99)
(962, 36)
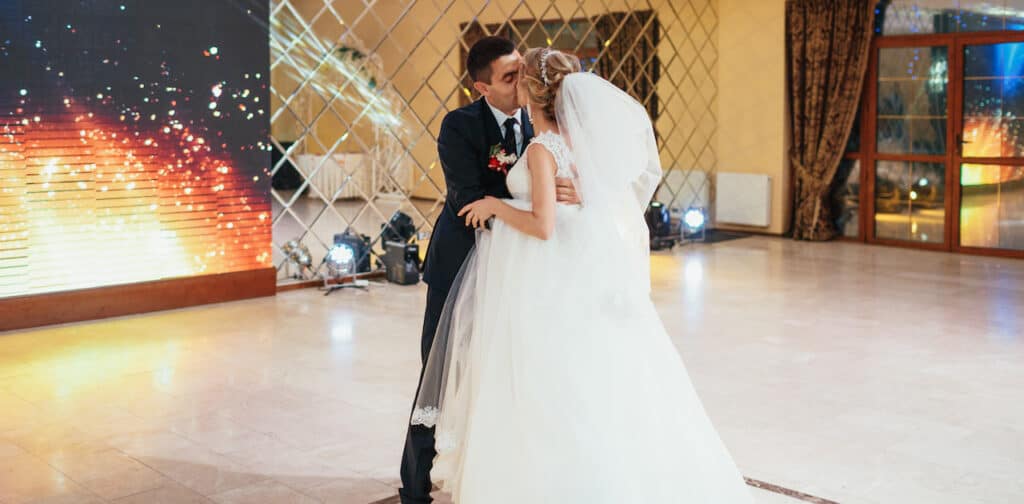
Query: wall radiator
(743, 198)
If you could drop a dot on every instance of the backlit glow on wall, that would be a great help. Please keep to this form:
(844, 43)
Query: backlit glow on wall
(132, 142)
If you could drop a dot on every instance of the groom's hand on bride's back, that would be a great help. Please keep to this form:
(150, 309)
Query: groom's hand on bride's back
(565, 191)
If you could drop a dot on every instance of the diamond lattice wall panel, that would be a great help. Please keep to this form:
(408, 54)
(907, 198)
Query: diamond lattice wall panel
(359, 89)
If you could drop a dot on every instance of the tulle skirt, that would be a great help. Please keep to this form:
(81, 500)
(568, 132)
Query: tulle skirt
(571, 390)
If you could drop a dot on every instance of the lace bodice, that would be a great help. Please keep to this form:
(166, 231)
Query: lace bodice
(518, 180)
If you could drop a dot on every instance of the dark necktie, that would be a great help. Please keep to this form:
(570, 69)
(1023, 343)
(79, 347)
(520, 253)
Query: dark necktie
(509, 144)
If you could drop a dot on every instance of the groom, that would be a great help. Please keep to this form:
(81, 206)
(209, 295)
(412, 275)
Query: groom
(478, 144)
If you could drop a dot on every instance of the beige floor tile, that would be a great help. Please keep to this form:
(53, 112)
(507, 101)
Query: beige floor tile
(352, 489)
(861, 374)
(265, 492)
(169, 493)
(25, 479)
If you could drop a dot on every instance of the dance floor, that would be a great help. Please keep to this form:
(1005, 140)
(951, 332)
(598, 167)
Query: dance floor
(834, 372)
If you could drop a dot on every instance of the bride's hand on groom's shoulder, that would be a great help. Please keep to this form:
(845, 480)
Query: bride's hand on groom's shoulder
(477, 212)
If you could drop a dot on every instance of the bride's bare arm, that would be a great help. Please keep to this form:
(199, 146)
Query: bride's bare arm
(538, 222)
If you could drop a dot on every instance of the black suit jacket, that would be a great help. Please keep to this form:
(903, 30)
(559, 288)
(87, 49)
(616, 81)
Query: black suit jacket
(464, 145)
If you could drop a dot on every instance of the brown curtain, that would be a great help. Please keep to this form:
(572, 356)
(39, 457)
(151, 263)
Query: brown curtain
(828, 44)
(629, 58)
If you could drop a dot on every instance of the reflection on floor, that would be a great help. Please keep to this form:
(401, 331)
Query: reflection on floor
(854, 373)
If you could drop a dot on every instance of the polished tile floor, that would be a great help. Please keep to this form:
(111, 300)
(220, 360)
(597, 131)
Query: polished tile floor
(852, 373)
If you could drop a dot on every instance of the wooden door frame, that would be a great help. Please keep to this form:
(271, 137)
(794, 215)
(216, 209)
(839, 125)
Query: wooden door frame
(954, 43)
(962, 41)
(869, 142)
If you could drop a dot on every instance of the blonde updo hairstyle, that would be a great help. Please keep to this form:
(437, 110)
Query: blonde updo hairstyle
(542, 62)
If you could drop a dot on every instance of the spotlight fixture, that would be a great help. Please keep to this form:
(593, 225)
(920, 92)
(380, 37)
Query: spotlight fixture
(693, 225)
(350, 255)
(659, 225)
(299, 256)
(401, 259)
(341, 260)
(402, 262)
(360, 247)
(400, 228)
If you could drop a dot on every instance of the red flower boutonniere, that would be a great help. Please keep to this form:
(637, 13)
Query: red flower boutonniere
(500, 160)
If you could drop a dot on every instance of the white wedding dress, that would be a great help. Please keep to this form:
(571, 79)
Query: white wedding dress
(552, 378)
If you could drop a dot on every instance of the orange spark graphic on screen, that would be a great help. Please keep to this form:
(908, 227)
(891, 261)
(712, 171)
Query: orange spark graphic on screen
(89, 200)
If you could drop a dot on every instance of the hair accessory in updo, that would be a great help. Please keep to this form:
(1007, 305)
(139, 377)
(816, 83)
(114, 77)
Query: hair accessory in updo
(544, 66)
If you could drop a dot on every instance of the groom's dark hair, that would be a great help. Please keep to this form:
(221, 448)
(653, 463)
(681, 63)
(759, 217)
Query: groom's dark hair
(483, 53)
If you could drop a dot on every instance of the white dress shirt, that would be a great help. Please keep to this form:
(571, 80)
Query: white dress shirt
(501, 117)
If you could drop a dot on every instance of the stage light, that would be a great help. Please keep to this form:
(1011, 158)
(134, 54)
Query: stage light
(359, 245)
(401, 259)
(341, 260)
(659, 225)
(402, 262)
(400, 228)
(350, 255)
(694, 224)
(694, 219)
(297, 255)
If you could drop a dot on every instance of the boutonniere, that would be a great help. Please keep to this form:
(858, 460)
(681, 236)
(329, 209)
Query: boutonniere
(501, 161)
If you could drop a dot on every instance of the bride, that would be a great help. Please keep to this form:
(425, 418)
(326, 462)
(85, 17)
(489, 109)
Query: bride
(551, 378)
